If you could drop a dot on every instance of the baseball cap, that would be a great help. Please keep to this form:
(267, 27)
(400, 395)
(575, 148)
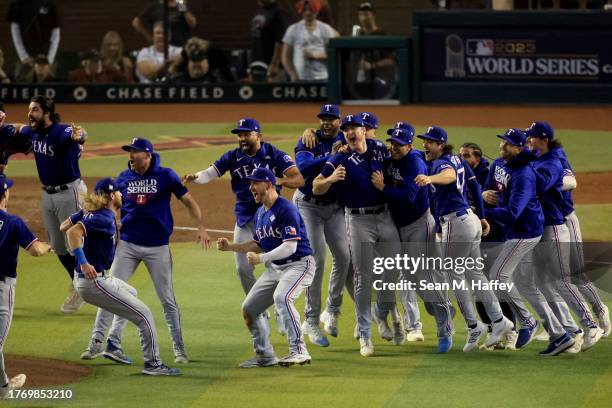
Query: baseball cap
(366, 6)
(402, 136)
(351, 120)
(140, 144)
(262, 174)
(435, 133)
(332, 111)
(401, 125)
(246, 125)
(106, 185)
(5, 184)
(540, 129)
(370, 120)
(515, 137)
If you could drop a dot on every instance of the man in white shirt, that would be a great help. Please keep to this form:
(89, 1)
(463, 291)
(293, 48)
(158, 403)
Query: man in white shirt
(303, 54)
(150, 62)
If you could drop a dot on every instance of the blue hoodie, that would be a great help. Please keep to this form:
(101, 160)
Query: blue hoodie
(568, 201)
(519, 211)
(549, 172)
(146, 218)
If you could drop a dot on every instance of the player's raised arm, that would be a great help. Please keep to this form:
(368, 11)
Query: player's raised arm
(292, 178)
(202, 176)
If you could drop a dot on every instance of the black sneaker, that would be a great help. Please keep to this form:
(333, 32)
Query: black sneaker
(558, 346)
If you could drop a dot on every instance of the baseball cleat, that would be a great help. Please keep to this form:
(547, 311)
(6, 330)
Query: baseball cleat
(383, 326)
(72, 303)
(558, 346)
(591, 336)
(315, 334)
(474, 335)
(499, 331)
(14, 383)
(94, 350)
(604, 321)
(259, 361)
(116, 354)
(330, 323)
(295, 358)
(511, 338)
(526, 334)
(366, 348)
(578, 337)
(180, 357)
(444, 344)
(161, 369)
(414, 335)
(542, 336)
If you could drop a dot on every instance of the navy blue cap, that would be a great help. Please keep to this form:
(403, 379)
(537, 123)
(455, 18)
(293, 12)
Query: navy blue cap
(402, 136)
(351, 120)
(515, 137)
(106, 185)
(5, 183)
(370, 120)
(401, 125)
(332, 111)
(246, 125)
(262, 174)
(140, 144)
(540, 129)
(435, 133)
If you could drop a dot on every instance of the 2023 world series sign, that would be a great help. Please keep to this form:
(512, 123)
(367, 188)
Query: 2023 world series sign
(508, 54)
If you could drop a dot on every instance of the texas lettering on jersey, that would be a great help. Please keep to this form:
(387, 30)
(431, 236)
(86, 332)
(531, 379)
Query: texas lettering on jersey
(41, 147)
(267, 232)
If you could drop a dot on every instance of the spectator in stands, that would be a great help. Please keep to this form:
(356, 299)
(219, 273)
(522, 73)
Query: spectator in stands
(303, 55)
(150, 64)
(218, 63)
(182, 21)
(4, 79)
(267, 29)
(35, 30)
(93, 71)
(196, 71)
(40, 72)
(374, 59)
(111, 53)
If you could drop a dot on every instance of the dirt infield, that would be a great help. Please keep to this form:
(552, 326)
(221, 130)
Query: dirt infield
(502, 116)
(46, 372)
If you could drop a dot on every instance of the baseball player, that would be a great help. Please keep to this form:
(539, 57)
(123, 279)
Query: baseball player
(146, 226)
(11, 140)
(472, 154)
(280, 242)
(324, 220)
(14, 233)
(57, 149)
(92, 235)
(367, 216)
(549, 173)
(519, 212)
(409, 206)
(252, 152)
(371, 124)
(461, 232)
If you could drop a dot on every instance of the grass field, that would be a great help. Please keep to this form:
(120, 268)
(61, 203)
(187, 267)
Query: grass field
(210, 296)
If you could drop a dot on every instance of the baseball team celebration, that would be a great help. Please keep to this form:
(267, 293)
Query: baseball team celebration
(339, 208)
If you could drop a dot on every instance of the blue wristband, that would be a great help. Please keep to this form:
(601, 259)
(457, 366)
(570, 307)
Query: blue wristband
(80, 256)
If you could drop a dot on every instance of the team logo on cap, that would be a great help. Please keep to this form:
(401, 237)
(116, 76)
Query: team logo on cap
(399, 124)
(349, 118)
(328, 107)
(430, 129)
(397, 132)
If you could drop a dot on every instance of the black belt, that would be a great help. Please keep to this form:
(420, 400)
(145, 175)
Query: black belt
(55, 189)
(367, 211)
(288, 260)
(318, 201)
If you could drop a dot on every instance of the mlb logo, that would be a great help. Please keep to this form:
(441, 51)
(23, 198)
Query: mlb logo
(141, 199)
(481, 47)
(290, 231)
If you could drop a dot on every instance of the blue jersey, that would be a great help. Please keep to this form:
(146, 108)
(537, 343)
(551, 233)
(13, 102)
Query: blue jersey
(100, 237)
(14, 233)
(549, 172)
(282, 222)
(407, 201)
(241, 165)
(568, 200)
(519, 212)
(310, 162)
(356, 190)
(497, 233)
(448, 198)
(56, 154)
(146, 218)
(12, 142)
(482, 171)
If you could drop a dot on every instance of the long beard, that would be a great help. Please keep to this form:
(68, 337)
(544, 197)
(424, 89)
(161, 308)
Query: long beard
(37, 124)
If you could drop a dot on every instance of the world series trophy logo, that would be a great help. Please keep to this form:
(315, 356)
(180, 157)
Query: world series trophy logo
(455, 56)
